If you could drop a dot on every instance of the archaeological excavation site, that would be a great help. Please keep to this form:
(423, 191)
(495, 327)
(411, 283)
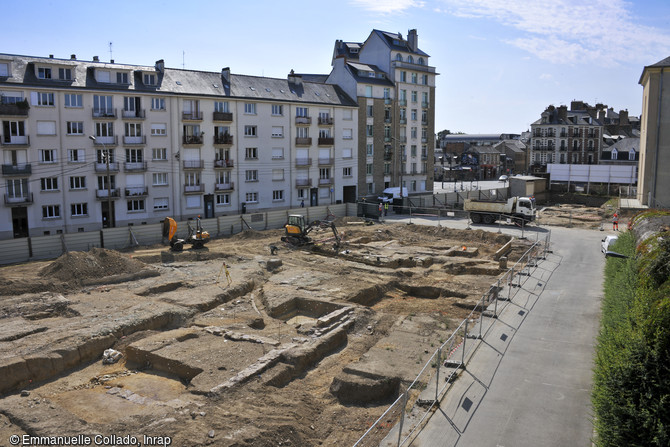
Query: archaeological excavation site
(248, 341)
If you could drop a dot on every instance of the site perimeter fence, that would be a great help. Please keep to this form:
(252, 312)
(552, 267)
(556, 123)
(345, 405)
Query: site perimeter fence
(411, 410)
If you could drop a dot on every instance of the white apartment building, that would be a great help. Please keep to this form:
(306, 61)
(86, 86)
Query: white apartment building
(89, 144)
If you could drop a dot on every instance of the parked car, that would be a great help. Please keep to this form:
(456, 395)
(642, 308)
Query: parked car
(606, 242)
(502, 178)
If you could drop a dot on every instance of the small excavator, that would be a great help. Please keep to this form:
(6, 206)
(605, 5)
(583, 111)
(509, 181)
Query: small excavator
(297, 231)
(196, 237)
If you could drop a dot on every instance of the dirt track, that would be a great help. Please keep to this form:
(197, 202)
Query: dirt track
(282, 354)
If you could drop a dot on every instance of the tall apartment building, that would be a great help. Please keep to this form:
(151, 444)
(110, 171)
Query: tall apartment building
(395, 90)
(87, 144)
(566, 136)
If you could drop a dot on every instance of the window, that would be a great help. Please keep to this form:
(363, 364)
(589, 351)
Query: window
(157, 103)
(251, 175)
(370, 111)
(136, 205)
(413, 115)
(346, 172)
(192, 201)
(250, 108)
(79, 209)
(75, 128)
(424, 99)
(4, 69)
(302, 193)
(192, 179)
(49, 184)
(72, 100)
(347, 152)
(159, 153)
(149, 79)
(369, 149)
(45, 99)
(249, 131)
(368, 91)
(102, 154)
(46, 128)
(324, 133)
(387, 168)
(414, 96)
(104, 129)
(277, 195)
(122, 78)
(78, 182)
(277, 132)
(161, 203)
(277, 109)
(251, 153)
(302, 132)
(103, 105)
(403, 114)
(103, 76)
(301, 111)
(277, 153)
(347, 114)
(424, 116)
(51, 212)
(134, 155)
(403, 95)
(251, 197)
(412, 150)
(347, 134)
(371, 188)
(159, 179)
(277, 174)
(369, 130)
(424, 79)
(368, 169)
(410, 59)
(413, 185)
(413, 132)
(223, 199)
(133, 129)
(159, 129)
(631, 155)
(414, 78)
(403, 76)
(221, 106)
(76, 155)
(47, 155)
(102, 182)
(44, 73)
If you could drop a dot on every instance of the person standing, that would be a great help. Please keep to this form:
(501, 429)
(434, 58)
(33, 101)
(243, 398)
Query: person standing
(615, 222)
(386, 208)
(302, 203)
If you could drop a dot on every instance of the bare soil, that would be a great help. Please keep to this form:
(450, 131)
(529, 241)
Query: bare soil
(230, 345)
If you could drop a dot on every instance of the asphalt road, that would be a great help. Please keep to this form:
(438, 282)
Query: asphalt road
(534, 390)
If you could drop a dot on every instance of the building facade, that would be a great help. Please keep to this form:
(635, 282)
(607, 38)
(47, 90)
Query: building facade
(395, 90)
(89, 144)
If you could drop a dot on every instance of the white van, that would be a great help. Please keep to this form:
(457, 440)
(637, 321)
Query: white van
(389, 194)
(606, 242)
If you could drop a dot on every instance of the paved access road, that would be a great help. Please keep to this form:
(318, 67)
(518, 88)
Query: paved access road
(533, 387)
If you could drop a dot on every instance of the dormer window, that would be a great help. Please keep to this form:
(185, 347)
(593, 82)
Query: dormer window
(410, 59)
(122, 78)
(615, 154)
(103, 76)
(371, 74)
(65, 74)
(44, 73)
(421, 62)
(354, 50)
(398, 57)
(149, 79)
(4, 69)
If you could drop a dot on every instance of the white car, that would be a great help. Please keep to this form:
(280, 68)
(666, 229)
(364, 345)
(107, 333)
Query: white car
(606, 242)
(503, 178)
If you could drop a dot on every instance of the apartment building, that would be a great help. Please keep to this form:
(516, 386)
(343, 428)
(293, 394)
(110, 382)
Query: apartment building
(395, 89)
(90, 144)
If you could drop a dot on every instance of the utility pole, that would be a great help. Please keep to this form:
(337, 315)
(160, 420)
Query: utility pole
(109, 184)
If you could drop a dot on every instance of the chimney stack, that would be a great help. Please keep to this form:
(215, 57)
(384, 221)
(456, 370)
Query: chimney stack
(73, 57)
(563, 113)
(96, 59)
(160, 65)
(51, 56)
(623, 117)
(413, 40)
(294, 79)
(225, 74)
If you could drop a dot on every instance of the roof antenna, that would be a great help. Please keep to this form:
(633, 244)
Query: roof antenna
(183, 59)
(111, 58)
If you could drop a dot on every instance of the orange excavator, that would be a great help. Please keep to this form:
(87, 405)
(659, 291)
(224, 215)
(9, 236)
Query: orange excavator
(297, 231)
(196, 237)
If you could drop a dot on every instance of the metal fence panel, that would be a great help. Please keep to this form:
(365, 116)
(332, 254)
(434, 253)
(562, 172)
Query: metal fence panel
(47, 247)
(81, 241)
(14, 250)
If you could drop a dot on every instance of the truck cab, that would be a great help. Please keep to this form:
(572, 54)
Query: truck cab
(390, 194)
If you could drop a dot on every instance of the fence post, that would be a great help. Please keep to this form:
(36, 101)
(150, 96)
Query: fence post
(499, 223)
(495, 306)
(465, 337)
(402, 417)
(437, 378)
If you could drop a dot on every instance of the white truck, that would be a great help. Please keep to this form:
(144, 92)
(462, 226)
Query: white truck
(518, 209)
(390, 194)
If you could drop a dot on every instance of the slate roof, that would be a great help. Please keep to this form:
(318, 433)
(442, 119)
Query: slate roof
(396, 42)
(354, 67)
(660, 64)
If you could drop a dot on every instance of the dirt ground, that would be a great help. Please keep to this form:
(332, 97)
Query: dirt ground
(231, 345)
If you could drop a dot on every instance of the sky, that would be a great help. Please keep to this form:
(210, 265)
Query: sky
(500, 62)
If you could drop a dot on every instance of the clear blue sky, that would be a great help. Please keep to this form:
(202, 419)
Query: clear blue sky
(501, 62)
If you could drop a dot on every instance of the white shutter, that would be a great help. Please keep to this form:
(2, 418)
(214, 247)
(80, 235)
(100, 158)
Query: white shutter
(33, 98)
(192, 201)
(46, 128)
(133, 180)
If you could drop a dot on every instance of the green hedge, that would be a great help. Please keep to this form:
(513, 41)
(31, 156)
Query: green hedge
(631, 396)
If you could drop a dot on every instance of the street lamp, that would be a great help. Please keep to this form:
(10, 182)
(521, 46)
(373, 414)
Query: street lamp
(110, 221)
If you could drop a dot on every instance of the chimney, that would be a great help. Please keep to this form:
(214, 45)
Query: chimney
(51, 56)
(623, 117)
(294, 79)
(111, 61)
(73, 57)
(576, 106)
(413, 40)
(96, 59)
(563, 113)
(225, 74)
(160, 65)
(602, 114)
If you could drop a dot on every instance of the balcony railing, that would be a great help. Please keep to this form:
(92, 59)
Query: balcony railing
(387, 139)
(230, 186)
(21, 169)
(223, 116)
(326, 161)
(303, 182)
(194, 189)
(425, 104)
(194, 164)
(223, 139)
(134, 114)
(222, 164)
(106, 141)
(326, 141)
(102, 167)
(402, 139)
(388, 120)
(104, 113)
(14, 109)
(130, 166)
(191, 116)
(402, 121)
(387, 100)
(303, 162)
(325, 121)
(325, 181)
(303, 120)
(16, 141)
(25, 198)
(411, 66)
(137, 191)
(192, 139)
(135, 140)
(101, 194)
(388, 155)
(303, 141)
(402, 102)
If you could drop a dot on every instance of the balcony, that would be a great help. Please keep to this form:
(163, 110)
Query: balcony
(387, 100)
(424, 156)
(388, 120)
(191, 116)
(135, 166)
(300, 182)
(104, 113)
(16, 141)
(303, 120)
(411, 66)
(134, 141)
(20, 169)
(224, 164)
(402, 139)
(194, 164)
(137, 191)
(102, 167)
(224, 187)
(325, 121)
(402, 121)
(299, 162)
(387, 139)
(223, 116)
(425, 104)
(194, 189)
(103, 194)
(325, 141)
(21, 199)
(106, 141)
(402, 102)
(424, 122)
(18, 109)
(326, 161)
(133, 114)
(226, 139)
(192, 139)
(303, 141)
(388, 156)
(325, 181)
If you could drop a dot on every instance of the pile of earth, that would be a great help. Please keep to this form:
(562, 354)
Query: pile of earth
(95, 263)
